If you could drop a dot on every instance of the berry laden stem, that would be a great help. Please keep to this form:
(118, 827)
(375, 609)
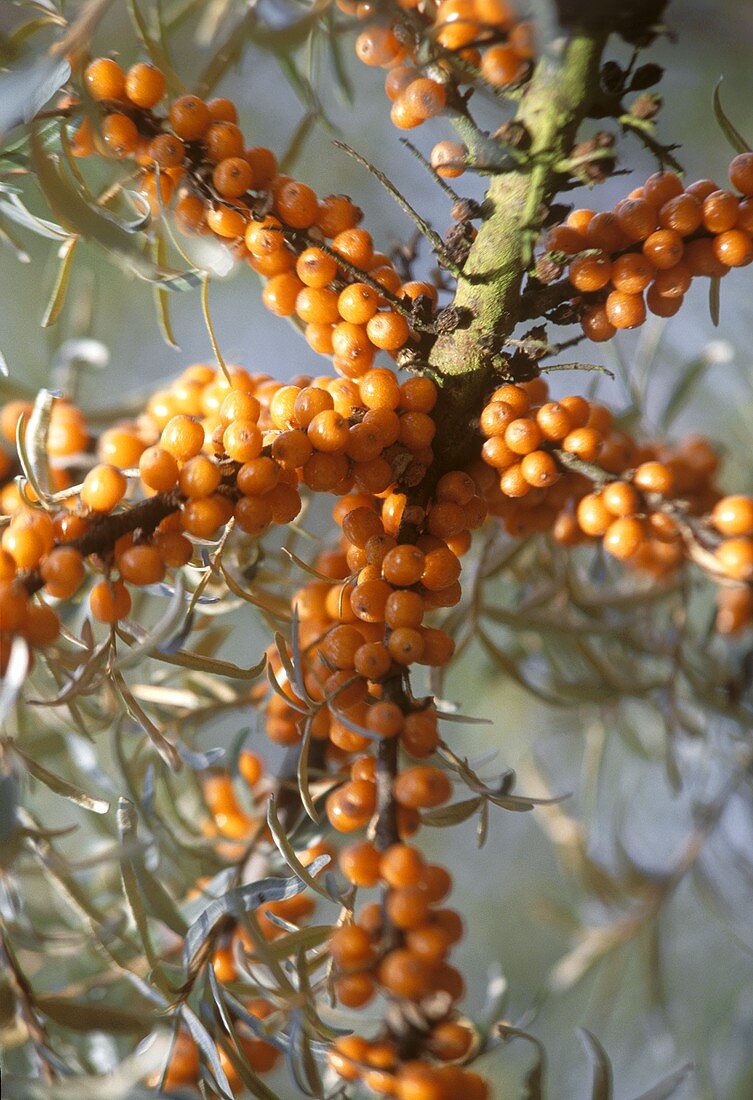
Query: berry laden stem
(489, 289)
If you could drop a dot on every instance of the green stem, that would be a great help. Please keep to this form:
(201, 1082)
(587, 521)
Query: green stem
(489, 291)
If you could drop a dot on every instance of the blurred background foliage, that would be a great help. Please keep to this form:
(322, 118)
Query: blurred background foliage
(679, 987)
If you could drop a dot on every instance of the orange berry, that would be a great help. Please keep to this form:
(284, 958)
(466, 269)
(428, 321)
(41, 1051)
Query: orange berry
(735, 557)
(733, 515)
(141, 565)
(625, 310)
(103, 488)
(422, 786)
(158, 469)
(119, 135)
(109, 601)
(182, 437)
(144, 85)
(105, 79)
(189, 117)
(623, 537)
(448, 159)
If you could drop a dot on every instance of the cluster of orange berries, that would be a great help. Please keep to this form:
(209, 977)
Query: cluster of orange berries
(632, 509)
(653, 243)
(310, 251)
(467, 39)
(183, 1070)
(235, 447)
(376, 1064)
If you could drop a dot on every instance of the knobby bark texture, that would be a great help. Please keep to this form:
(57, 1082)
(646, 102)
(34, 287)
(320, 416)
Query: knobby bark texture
(488, 298)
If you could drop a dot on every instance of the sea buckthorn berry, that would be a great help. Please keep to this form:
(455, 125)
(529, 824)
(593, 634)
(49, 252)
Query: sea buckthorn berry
(281, 293)
(141, 565)
(735, 557)
(202, 518)
(401, 865)
(351, 948)
(620, 498)
(387, 330)
(232, 177)
(593, 516)
(328, 431)
(253, 514)
(222, 110)
(496, 418)
(369, 599)
(103, 488)
(406, 645)
(24, 545)
(603, 231)
(407, 907)
(182, 437)
(591, 272)
(174, 549)
(317, 305)
(654, 477)
(448, 159)
(373, 661)
(377, 46)
(586, 443)
(190, 117)
(523, 435)
(119, 135)
(450, 1041)
(360, 863)
(42, 625)
(539, 469)
(554, 421)
(199, 477)
(720, 210)
(672, 283)
(661, 187)
(384, 718)
(637, 218)
(422, 787)
(354, 990)
(190, 214)
(425, 97)
(158, 469)
(682, 214)
(741, 173)
(224, 140)
(632, 273)
(563, 238)
(403, 566)
(358, 303)
(623, 537)
(144, 85)
(579, 220)
(109, 601)
(62, 571)
(105, 79)
(733, 515)
(701, 260)
(316, 268)
(734, 609)
(596, 324)
(341, 645)
(501, 65)
(734, 248)
(625, 310)
(663, 249)
(296, 204)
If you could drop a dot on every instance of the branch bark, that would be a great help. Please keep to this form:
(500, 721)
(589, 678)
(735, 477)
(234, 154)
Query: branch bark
(489, 292)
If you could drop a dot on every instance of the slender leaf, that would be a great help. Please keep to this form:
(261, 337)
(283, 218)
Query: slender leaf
(62, 786)
(733, 135)
(601, 1082)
